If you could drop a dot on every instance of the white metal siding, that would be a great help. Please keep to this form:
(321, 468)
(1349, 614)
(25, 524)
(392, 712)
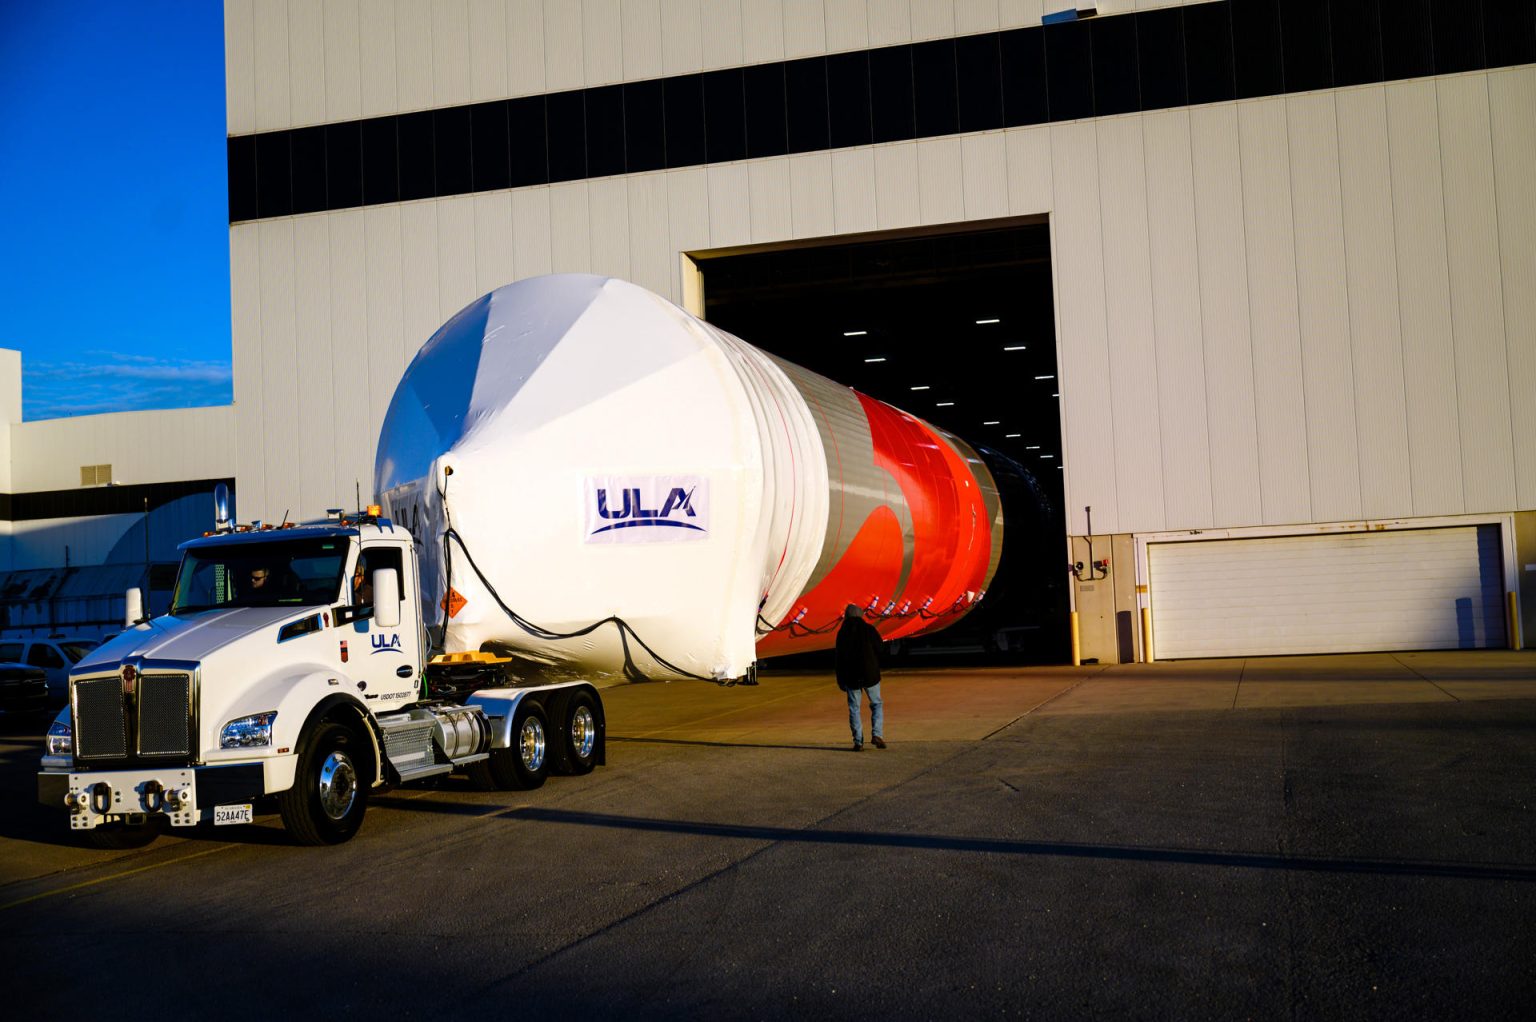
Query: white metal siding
(1273, 319)
(343, 61)
(1333, 461)
(896, 199)
(279, 373)
(1082, 358)
(271, 66)
(723, 45)
(1423, 283)
(772, 214)
(1178, 334)
(451, 50)
(1512, 105)
(1477, 299)
(940, 180)
(1228, 348)
(487, 50)
(984, 173)
(853, 193)
(1375, 329)
(642, 39)
(313, 462)
(1333, 593)
(1030, 171)
(162, 446)
(762, 28)
(330, 55)
(306, 62)
(810, 189)
(1133, 375)
(376, 54)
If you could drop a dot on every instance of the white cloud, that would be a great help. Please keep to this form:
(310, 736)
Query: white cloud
(120, 382)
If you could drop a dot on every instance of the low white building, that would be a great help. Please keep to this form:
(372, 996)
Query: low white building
(95, 504)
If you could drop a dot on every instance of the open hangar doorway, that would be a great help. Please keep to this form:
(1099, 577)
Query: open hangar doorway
(958, 328)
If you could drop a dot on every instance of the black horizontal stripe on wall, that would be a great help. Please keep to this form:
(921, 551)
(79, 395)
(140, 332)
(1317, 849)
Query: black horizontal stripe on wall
(1147, 60)
(86, 501)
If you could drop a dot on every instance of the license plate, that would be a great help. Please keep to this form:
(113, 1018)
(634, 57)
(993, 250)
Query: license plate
(231, 814)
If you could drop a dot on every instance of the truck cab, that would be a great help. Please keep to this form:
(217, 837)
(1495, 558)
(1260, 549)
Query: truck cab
(293, 663)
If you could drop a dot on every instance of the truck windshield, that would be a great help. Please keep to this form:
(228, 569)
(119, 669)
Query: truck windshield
(271, 574)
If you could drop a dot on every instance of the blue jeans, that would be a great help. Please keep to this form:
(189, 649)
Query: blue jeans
(876, 712)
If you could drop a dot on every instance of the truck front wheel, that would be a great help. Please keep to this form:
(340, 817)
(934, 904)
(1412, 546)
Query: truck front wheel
(524, 765)
(325, 806)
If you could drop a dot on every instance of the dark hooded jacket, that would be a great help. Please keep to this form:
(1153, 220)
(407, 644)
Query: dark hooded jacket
(858, 652)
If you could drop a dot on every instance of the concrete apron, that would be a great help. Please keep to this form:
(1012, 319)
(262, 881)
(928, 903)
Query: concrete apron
(971, 704)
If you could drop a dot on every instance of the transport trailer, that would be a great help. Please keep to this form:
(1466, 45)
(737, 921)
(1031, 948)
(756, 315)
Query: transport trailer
(292, 664)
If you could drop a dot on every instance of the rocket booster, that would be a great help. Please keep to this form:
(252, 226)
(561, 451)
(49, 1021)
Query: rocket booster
(603, 485)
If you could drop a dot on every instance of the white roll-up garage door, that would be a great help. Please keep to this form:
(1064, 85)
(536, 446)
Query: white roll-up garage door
(1328, 593)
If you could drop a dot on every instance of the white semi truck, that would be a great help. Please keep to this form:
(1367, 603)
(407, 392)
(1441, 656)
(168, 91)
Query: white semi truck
(291, 664)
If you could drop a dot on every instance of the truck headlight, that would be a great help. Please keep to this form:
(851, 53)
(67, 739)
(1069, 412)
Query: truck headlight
(248, 732)
(61, 739)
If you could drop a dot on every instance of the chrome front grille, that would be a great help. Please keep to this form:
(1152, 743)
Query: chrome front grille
(165, 719)
(101, 725)
(152, 718)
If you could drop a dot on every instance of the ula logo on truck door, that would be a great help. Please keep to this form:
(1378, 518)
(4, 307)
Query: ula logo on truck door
(386, 643)
(646, 509)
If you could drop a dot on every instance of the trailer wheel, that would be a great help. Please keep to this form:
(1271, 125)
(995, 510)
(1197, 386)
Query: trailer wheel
(578, 734)
(525, 765)
(325, 806)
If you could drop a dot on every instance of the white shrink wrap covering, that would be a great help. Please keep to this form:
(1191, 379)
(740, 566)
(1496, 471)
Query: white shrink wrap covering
(602, 485)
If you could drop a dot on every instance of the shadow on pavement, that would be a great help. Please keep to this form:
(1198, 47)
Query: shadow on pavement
(994, 846)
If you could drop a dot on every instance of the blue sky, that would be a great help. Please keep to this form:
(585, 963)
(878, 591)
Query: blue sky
(114, 243)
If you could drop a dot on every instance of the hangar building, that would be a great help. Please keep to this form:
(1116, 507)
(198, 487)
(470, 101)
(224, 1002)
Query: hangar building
(1249, 279)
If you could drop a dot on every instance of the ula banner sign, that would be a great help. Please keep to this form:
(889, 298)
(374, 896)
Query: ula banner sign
(646, 509)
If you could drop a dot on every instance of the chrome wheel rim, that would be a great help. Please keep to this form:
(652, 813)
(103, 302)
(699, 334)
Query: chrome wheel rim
(338, 785)
(530, 742)
(583, 732)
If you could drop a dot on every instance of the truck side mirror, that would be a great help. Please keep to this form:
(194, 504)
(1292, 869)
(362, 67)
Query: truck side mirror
(133, 607)
(386, 598)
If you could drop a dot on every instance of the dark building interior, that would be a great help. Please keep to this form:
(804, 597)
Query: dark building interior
(959, 330)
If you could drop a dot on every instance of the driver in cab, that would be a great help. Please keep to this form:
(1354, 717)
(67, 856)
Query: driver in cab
(260, 586)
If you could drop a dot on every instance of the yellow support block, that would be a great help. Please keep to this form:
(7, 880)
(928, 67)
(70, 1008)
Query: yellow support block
(478, 656)
(1146, 635)
(1512, 619)
(1077, 642)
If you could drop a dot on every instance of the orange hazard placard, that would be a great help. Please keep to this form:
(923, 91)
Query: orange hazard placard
(453, 602)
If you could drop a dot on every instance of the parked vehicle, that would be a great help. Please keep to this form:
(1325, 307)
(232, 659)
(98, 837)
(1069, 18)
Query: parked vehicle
(55, 655)
(23, 689)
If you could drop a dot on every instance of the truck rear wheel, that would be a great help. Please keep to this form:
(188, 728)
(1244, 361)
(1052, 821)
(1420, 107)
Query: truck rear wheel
(325, 806)
(578, 734)
(523, 766)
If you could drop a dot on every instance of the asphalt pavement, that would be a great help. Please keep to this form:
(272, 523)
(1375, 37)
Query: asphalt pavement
(1288, 837)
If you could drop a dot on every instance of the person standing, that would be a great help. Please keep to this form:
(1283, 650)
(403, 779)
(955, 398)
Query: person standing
(858, 673)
